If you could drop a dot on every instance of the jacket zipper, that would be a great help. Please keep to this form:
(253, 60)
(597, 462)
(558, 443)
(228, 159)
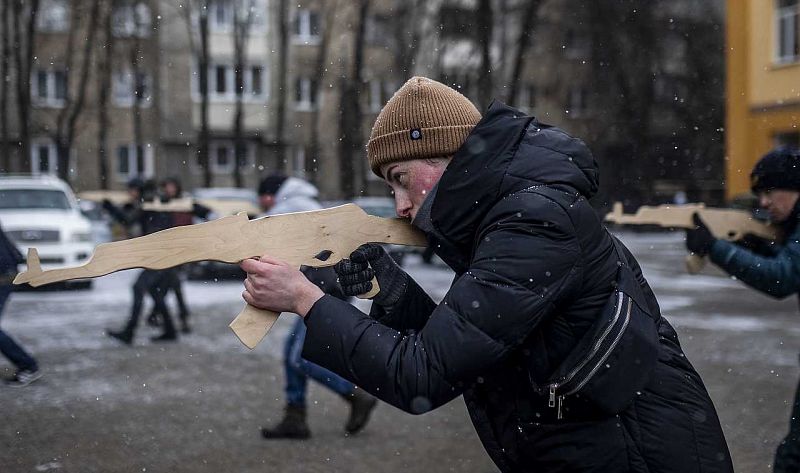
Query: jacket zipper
(557, 400)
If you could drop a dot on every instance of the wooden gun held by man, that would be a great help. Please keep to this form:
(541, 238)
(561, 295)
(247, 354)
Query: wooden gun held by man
(727, 224)
(317, 238)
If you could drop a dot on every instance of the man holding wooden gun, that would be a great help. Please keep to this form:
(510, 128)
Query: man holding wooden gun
(770, 267)
(549, 330)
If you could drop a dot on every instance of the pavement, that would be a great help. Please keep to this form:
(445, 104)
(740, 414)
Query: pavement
(197, 405)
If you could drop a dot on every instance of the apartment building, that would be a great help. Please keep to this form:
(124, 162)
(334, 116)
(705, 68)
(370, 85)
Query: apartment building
(762, 86)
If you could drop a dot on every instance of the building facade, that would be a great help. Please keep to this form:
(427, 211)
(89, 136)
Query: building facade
(762, 85)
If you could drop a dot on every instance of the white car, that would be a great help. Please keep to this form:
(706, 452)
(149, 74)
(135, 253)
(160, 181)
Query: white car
(41, 212)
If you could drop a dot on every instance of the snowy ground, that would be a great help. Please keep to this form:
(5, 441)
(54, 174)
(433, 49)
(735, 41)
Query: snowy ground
(196, 405)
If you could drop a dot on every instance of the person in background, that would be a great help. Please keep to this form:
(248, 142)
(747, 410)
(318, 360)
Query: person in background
(280, 194)
(171, 189)
(769, 267)
(133, 216)
(27, 369)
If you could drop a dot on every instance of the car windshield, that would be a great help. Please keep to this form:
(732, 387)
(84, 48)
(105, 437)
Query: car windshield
(33, 199)
(379, 210)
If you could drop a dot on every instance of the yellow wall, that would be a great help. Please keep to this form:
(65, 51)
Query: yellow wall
(763, 98)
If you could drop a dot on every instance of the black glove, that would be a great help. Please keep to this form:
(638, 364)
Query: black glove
(108, 205)
(756, 244)
(699, 239)
(355, 274)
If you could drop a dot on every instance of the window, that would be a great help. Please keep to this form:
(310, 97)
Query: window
(133, 161)
(223, 83)
(126, 89)
(526, 98)
(44, 157)
(132, 19)
(221, 15)
(306, 26)
(787, 31)
(222, 156)
(378, 95)
(53, 16)
(305, 97)
(377, 31)
(299, 162)
(791, 138)
(50, 88)
(577, 102)
(576, 44)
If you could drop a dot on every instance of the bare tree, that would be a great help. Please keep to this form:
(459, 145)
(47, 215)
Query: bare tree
(138, 81)
(407, 32)
(351, 117)
(5, 13)
(197, 11)
(242, 21)
(282, 73)
(24, 22)
(76, 94)
(485, 23)
(328, 14)
(104, 84)
(527, 28)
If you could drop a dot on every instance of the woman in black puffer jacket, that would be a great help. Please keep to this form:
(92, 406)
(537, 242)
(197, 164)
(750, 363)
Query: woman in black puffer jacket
(535, 269)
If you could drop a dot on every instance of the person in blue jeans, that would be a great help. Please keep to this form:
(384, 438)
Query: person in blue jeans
(27, 370)
(280, 194)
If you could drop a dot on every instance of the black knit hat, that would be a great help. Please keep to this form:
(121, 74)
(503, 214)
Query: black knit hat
(778, 169)
(271, 184)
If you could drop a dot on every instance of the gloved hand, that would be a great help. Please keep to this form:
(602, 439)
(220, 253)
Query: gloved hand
(355, 274)
(756, 244)
(107, 205)
(699, 239)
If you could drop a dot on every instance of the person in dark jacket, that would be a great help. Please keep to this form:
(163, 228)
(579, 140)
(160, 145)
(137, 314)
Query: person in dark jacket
(155, 282)
(27, 369)
(503, 199)
(770, 267)
(278, 194)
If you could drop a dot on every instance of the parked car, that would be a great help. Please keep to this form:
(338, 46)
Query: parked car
(42, 212)
(222, 201)
(384, 207)
(99, 219)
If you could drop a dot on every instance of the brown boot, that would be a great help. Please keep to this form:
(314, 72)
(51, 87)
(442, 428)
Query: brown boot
(361, 406)
(293, 425)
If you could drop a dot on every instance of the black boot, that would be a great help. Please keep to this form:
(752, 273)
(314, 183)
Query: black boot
(361, 406)
(293, 425)
(125, 335)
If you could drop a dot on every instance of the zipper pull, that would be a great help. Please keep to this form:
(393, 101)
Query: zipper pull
(552, 402)
(559, 416)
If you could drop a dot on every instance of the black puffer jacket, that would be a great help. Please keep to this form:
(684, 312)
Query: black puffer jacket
(533, 272)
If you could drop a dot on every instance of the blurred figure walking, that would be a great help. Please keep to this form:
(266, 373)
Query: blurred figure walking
(27, 370)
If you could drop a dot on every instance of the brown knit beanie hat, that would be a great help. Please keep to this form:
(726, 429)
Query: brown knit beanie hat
(424, 119)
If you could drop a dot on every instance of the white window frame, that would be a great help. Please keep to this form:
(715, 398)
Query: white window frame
(303, 21)
(787, 39)
(258, 20)
(123, 88)
(124, 20)
(50, 99)
(53, 16)
(149, 162)
(52, 158)
(305, 104)
(213, 153)
(230, 84)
